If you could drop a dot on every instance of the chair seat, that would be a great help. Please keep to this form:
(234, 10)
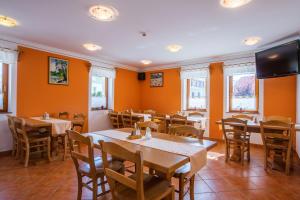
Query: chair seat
(154, 188)
(183, 170)
(115, 165)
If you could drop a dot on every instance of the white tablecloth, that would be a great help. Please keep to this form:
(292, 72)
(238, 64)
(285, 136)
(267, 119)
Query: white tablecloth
(59, 126)
(197, 155)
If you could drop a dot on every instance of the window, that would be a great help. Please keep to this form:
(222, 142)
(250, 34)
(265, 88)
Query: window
(99, 97)
(243, 93)
(197, 94)
(4, 87)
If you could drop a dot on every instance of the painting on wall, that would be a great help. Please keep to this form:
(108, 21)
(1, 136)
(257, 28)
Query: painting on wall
(58, 71)
(157, 79)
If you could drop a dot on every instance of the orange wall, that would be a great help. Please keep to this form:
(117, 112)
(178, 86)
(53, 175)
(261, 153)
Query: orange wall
(280, 97)
(127, 90)
(216, 99)
(166, 99)
(35, 96)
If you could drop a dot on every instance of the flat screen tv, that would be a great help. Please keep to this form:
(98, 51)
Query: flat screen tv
(278, 61)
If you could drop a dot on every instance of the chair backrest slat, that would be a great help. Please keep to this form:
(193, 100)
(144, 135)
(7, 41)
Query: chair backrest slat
(186, 131)
(178, 119)
(152, 125)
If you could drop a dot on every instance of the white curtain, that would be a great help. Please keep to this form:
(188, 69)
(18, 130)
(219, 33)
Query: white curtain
(240, 69)
(8, 56)
(194, 73)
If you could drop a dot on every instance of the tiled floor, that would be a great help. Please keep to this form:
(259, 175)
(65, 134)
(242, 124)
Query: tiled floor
(218, 180)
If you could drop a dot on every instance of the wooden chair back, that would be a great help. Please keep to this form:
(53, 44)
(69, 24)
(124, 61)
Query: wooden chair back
(178, 120)
(186, 131)
(79, 157)
(11, 125)
(238, 130)
(127, 120)
(78, 122)
(196, 114)
(275, 129)
(114, 119)
(21, 131)
(152, 125)
(63, 115)
(278, 118)
(149, 111)
(160, 119)
(243, 116)
(115, 178)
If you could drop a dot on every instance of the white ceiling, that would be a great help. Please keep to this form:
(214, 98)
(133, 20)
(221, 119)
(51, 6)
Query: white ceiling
(202, 27)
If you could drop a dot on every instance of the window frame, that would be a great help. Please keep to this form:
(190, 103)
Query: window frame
(5, 88)
(230, 90)
(188, 89)
(106, 95)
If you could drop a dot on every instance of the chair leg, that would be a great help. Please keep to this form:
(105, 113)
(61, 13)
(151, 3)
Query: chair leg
(49, 149)
(287, 165)
(103, 190)
(227, 152)
(95, 188)
(192, 185)
(65, 143)
(27, 155)
(79, 190)
(181, 187)
(242, 154)
(248, 152)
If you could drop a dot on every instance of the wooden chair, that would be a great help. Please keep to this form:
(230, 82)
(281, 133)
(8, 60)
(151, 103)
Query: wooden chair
(178, 120)
(78, 122)
(149, 111)
(186, 131)
(127, 120)
(152, 125)
(11, 125)
(138, 186)
(30, 144)
(277, 140)
(236, 137)
(183, 172)
(243, 117)
(196, 114)
(87, 166)
(63, 115)
(278, 118)
(114, 119)
(161, 119)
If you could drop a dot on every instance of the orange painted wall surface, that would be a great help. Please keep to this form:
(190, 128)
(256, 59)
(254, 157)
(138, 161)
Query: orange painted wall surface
(166, 99)
(216, 99)
(35, 96)
(280, 97)
(127, 90)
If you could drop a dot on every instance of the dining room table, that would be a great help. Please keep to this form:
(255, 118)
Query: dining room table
(163, 152)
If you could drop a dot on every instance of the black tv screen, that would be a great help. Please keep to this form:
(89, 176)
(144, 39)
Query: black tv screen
(278, 61)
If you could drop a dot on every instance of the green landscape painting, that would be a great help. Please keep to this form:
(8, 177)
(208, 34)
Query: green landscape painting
(58, 71)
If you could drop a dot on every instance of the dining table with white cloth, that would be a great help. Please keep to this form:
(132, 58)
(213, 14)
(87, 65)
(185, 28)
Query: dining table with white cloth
(163, 152)
(58, 126)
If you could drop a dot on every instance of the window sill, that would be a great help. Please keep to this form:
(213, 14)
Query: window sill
(197, 110)
(244, 112)
(99, 109)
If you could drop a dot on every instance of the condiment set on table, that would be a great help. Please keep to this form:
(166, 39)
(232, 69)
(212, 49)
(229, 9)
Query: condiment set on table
(136, 133)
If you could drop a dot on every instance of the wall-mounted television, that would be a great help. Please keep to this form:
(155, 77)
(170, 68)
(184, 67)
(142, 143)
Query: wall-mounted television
(283, 60)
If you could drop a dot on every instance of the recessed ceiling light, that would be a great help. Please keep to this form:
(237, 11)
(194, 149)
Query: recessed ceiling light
(7, 21)
(252, 41)
(104, 13)
(174, 48)
(92, 47)
(234, 3)
(146, 62)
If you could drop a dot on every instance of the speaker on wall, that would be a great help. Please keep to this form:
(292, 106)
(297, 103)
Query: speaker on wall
(141, 76)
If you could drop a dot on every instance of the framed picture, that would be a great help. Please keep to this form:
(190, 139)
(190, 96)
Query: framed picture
(157, 79)
(58, 71)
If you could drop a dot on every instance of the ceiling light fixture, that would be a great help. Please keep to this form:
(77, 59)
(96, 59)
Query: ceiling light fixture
(92, 47)
(252, 41)
(146, 62)
(103, 13)
(234, 3)
(7, 21)
(174, 48)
